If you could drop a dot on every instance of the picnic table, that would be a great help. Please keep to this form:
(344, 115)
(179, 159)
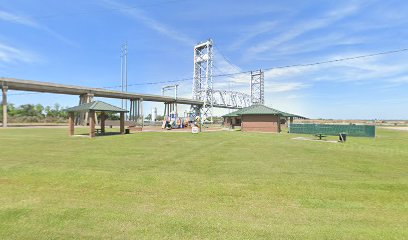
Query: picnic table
(320, 136)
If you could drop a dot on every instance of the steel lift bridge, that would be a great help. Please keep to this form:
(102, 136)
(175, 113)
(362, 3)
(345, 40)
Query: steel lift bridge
(204, 91)
(204, 99)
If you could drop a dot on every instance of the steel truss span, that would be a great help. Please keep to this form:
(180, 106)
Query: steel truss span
(231, 99)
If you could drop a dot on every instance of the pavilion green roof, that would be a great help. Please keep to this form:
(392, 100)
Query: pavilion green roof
(97, 106)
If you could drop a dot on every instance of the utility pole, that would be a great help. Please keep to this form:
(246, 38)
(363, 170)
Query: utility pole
(124, 73)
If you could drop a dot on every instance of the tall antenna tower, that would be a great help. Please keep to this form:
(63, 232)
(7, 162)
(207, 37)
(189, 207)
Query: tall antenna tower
(202, 82)
(124, 72)
(257, 87)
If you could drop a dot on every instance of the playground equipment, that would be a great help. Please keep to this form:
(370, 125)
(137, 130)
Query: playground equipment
(173, 121)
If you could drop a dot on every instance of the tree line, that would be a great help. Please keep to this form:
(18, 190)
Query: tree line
(38, 113)
(35, 113)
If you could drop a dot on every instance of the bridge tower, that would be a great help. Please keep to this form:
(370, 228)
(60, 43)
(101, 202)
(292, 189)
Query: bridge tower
(257, 87)
(202, 81)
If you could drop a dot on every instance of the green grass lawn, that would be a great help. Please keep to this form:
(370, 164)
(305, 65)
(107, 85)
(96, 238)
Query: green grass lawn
(212, 185)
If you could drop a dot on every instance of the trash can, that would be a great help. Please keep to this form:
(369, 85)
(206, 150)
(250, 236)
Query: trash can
(342, 137)
(127, 131)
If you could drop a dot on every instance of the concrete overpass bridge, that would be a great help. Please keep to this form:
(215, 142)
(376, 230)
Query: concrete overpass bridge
(86, 94)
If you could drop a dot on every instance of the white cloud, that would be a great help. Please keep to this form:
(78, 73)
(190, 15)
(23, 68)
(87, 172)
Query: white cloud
(10, 54)
(276, 80)
(403, 79)
(373, 69)
(153, 24)
(252, 32)
(275, 87)
(9, 17)
(300, 29)
(26, 21)
(313, 44)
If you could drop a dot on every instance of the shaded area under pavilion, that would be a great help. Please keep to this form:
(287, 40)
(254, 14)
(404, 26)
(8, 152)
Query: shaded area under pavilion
(91, 109)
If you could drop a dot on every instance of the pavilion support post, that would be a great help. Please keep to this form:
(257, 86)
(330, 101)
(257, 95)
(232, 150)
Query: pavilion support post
(91, 116)
(103, 118)
(4, 102)
(71, 123)
(122, 123)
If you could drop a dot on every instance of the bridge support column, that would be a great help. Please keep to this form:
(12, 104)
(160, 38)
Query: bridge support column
(4, 103)
(141, 111)
(82, 118)
(169, 107)
(136, 109)
(165, 110)
(132, 113)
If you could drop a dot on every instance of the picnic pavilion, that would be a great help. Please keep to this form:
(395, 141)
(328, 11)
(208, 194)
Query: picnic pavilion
(90, 110)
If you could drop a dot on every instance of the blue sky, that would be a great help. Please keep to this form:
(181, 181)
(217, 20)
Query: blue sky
(78, 43)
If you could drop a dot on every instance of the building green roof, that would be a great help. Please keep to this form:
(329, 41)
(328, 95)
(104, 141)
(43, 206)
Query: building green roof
(98, 106)
(285, 114)
(236, 113)
(232, 114)
(260, 110)
(239, 111)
